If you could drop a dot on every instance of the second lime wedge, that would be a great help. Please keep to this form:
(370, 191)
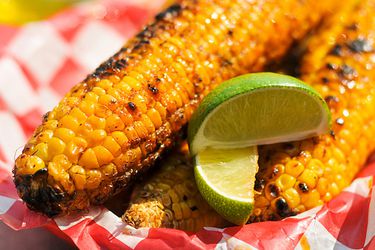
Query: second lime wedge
(255, 109)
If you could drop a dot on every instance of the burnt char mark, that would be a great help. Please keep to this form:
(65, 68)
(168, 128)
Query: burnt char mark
(172, 11)
(153, 89)
(108, 68)
(336, 50)
(347, 72)
(38, 195)
(132, 106)
(140, 44)
(282, 207)
(303, 187)
(360, 45)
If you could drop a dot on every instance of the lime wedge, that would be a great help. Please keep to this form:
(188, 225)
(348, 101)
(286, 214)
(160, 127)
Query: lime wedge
(254, 109)
(225, 178)
(248, 110)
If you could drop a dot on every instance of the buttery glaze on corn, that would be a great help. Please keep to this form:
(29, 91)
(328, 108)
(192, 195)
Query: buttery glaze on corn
(114, 124)
(300, 175)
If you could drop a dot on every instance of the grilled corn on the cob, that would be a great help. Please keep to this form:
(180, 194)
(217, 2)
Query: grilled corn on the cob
(170, 198)
(300, 175)
(114, 124)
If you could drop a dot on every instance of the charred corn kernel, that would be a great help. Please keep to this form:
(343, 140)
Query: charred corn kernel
(88, 159)
(146, 75)
(103, 156)
(78, 175)
(65, 134)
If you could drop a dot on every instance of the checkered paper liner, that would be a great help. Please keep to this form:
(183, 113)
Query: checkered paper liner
(40, 61)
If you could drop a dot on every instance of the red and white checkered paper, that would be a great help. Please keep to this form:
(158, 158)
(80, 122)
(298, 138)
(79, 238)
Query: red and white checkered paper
(41, 61)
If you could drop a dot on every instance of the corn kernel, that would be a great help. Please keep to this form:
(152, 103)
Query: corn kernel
(55, 147)
(322, 186)
(309, 177)
(148, 123)
(98, 91)
(131, 133)
(114, 123)
(111, 144)
(103, 156)
(316, 166)
(174, 196)
(87, 107)
(154, 117)
(161, 110)
(140, 129)
(261, 202)
(102, 111)
(120, 138)
(285, 181)
(97, 136)
(96, 122)
(45, 136)
(292, 197)
(294, 168)
(109, 170)
(41, 150)
(64, 134)
(177, 211)
(78, 175)
(311, 199)
(132, 82)
(108, 100)
(186, 212)
(93, 179)
(92, 97)
(33, 164)
(62, 160)
(126, 118)
(78, 114)
(69, 122)
(104, 84)
(88, 159)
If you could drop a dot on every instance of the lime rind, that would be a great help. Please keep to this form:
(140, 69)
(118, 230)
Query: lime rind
(242, 85)
(236, 169)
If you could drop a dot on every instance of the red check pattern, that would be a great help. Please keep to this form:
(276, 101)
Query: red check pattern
(32, 81)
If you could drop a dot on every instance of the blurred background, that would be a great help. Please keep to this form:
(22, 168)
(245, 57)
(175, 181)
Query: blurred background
(16, 12)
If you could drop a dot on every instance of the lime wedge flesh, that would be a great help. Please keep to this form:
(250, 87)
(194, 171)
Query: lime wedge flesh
(255, 109)
(225, 178)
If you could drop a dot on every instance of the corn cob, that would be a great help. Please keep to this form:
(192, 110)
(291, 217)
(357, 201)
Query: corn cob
(113, 125)
(297, 176)
(170, 198)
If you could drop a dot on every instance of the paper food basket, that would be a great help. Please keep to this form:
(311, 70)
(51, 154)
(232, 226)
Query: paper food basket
(32, 81)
